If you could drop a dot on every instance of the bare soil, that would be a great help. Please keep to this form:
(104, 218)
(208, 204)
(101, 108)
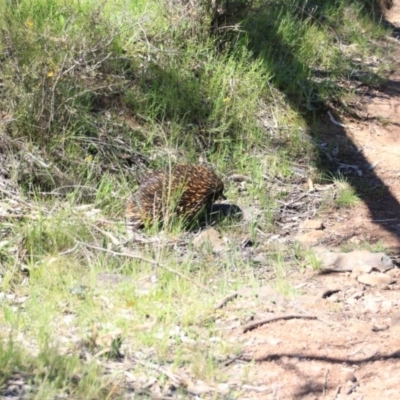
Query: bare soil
(352, 349)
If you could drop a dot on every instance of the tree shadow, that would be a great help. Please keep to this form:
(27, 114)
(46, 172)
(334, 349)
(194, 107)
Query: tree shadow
(309, 385)
(306, 95)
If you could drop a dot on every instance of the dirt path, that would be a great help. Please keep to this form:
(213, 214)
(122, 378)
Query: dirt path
(353, 350)
(378, 140)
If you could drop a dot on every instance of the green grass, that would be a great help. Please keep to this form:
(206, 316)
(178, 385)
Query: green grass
(91, 95)
(346, 195)
(378, 246)
(49, 373)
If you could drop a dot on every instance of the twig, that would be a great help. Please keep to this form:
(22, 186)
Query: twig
(73, 186)
(240, 178)
(352, 388)
(392, 39)
(293, 201)
(254, 325)
(325, 382)
(371, 167)
(113, 239)
(147, 260)
(53, 91)
(225, 300)
(41, 163)
(63, 253)
(337, 392)
(334, 121)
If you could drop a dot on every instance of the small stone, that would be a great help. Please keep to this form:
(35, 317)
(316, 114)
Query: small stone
(348, 375)
(78, 290)
(358, 294)
(240, 178)
(393, 272)
(209, 239)
(260, 259)
(355, 240)
(273, 341)
(334, 298)
(310, 238)
(387, 305)
(359, 269)
(379, 328)
(248, 214)
(312, 224)
(223, 388)
(374, 279)
(20, 300)
(351, 301)
(111, 279)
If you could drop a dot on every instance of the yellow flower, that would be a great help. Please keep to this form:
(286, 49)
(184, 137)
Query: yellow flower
(227, 99)
(29, 23)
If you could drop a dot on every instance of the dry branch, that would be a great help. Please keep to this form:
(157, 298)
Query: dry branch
(254, 325)
(225, 300)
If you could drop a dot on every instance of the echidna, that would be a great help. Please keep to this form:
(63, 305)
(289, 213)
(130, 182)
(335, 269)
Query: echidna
(182, 189)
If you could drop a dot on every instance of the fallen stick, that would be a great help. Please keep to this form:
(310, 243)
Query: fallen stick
(225, 300)
(325, 382)
(334, 121)
(147, 260)
(254, 325)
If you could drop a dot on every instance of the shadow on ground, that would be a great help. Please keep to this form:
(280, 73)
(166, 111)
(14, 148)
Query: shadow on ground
(262, 30)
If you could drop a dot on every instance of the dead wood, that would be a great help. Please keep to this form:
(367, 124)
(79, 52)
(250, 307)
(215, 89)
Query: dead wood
(254, 325)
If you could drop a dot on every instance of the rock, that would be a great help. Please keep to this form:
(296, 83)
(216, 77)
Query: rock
(78, 290)
(240, 178)
(334, 298)
(357, 295)
(375, 278)
(248, 214)
(310, 238)
(260, 259)
(387, 305)
(209, 239)
(394, 272)
(110, 279)
(359, 269)
(351, 301)
(348, 375)
(312, 224)
(361, 259)
(379, 328)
